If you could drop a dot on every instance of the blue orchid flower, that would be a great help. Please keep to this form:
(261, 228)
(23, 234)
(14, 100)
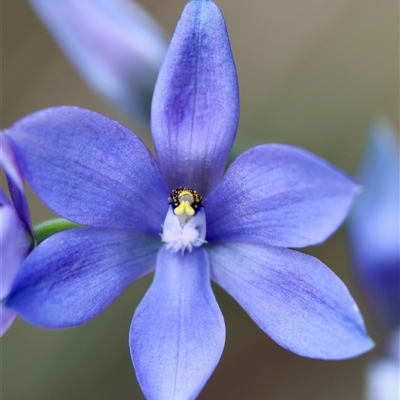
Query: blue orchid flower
(114, 44)
(16, 233)
(182, 217)
(374, 225)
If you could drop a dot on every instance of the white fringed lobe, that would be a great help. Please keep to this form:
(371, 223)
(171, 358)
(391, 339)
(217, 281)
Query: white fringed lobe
(181, 235)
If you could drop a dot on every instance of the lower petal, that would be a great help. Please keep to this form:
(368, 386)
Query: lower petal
(178, 332)
(74, 275)
(294, 298)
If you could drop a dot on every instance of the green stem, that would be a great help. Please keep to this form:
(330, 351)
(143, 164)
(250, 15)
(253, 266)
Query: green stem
(48, 228)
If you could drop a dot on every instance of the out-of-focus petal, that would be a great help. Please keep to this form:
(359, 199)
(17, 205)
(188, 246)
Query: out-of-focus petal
(294, 298)
(195, 106)
(6, 319)
(74, 275)
(374, 224)
(90, 169)
(178, 332)
(13, 247)
(15, 180)
(383, 380)
(9, 163)
(114, 44)
(393, 347)
(278, 195)
(382, 376)
(4, 200)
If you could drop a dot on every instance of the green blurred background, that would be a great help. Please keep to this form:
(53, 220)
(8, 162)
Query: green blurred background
(313, 73)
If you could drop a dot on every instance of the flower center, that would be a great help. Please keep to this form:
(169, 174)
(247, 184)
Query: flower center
(185, 224)
(185, 201)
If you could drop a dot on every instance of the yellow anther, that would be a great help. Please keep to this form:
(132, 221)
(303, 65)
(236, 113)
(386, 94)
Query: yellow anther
(184, 208)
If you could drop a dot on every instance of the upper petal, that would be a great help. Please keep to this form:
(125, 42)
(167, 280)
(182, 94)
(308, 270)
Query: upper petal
(195, 107)
(278, 195)
(292, 297)
(72, 276)
(90, 169)
(15, 179)
(114, 44)
(178, 332)
(374, 224)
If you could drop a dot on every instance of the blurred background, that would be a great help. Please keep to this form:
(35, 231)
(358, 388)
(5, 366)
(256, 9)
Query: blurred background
(314, 73)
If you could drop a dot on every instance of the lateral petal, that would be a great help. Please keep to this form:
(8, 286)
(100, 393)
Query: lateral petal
(90, 169)
(279, 195)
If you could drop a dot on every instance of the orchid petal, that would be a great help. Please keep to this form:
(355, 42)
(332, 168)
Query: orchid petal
(293, 298)
(195, 106)
(13, 246)
(114, 44)
(74, 275)
(374, 224)
(178, 332)
(280, 196)
(6, 319)
(90, 169)
(15, 180)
